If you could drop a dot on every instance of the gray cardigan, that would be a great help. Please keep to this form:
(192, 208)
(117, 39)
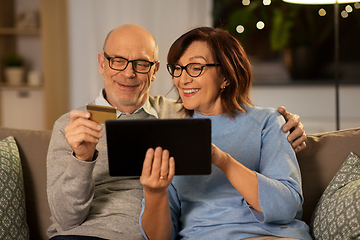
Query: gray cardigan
(83, 198)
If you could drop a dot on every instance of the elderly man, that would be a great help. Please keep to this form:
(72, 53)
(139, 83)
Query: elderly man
(85, 202)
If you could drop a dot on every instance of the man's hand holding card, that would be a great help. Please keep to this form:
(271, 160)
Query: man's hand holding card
(83, 136)
(100, 114)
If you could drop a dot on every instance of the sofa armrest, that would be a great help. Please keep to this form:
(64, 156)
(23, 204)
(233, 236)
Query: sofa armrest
(321, 159)
(33, 147)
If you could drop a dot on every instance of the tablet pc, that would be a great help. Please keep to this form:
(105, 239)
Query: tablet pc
(188, 141)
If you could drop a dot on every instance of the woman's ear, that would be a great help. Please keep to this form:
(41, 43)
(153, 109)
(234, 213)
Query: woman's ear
(225, 83)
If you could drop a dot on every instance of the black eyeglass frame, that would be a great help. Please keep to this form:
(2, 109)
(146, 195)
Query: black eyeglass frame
(189, 64)
(133, 63)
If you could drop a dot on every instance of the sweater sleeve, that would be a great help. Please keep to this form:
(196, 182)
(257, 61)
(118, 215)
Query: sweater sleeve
(175, 210)
(70, 186)
(280, 193)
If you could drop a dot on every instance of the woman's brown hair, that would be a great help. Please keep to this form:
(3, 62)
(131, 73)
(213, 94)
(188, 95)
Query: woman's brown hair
(234, 64)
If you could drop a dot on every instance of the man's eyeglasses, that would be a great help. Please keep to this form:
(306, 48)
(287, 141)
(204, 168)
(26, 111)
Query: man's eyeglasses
(193, 69)
(120, 64)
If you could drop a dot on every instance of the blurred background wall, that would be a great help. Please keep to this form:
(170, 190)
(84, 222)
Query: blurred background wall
(309, 95)
(63, 48)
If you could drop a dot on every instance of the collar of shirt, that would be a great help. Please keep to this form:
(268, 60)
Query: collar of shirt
(101, 100)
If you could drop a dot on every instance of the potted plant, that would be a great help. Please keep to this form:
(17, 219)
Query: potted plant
(14, 69)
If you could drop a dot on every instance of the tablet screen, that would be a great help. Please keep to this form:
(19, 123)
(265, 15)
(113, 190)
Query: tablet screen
(188, 141)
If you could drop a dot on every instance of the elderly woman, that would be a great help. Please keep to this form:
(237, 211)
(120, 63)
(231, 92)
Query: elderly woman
(254, 190)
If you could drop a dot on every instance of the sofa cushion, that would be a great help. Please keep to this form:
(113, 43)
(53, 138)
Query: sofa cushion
(337, 215)
(12, 197)
(320, 161)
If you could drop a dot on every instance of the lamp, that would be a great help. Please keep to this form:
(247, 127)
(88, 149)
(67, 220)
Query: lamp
(336, 47)
(315, 2)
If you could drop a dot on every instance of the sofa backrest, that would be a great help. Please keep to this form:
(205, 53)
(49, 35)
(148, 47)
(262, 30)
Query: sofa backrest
(321, 159)
(33, 146)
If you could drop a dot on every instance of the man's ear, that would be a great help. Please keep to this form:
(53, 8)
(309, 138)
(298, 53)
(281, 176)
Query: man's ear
(156, 69)
(101, 63)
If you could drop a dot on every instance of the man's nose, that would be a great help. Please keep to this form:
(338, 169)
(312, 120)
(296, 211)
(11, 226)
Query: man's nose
(129, 70)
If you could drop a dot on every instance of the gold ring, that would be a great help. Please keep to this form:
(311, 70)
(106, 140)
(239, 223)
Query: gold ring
(163, 177)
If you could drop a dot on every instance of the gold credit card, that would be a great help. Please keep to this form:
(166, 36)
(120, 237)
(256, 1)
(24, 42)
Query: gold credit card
(100, 114)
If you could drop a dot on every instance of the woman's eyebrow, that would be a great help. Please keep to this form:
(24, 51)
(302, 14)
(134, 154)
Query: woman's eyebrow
(194, 57)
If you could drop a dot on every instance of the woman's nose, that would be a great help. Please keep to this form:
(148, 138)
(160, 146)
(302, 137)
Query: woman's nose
(185, 78)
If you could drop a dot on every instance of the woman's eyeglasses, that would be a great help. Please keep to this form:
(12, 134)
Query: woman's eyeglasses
(193, 69)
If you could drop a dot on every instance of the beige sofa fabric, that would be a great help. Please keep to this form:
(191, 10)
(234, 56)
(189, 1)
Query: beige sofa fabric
(33, 147)
(320, 161)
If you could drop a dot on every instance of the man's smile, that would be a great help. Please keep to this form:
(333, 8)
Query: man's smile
(127, 85)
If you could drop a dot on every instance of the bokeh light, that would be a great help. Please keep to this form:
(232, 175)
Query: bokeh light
(246, 2)
(260, 25)
(344, 14)
(348, 8)
(322, 12)
(240, 29)
(266, 2)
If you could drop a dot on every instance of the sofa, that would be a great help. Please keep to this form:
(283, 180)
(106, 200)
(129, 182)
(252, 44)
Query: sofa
(319, 162)
(32, 146)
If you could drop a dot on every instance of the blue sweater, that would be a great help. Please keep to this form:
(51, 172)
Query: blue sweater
(209, 207)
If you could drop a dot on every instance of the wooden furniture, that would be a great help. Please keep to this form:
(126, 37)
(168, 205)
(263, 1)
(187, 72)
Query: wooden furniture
(53, 35)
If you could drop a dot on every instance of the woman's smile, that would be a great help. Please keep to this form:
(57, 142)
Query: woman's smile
(189, 92)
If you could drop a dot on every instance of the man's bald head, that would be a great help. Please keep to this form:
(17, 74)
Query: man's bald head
(133, 33)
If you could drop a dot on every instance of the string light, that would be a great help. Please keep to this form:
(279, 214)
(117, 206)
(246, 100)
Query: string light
(322, 12)
(246, 2)
(344, 14)
(348, 9)
(260, 25)
(266, 2)
(240, 29)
